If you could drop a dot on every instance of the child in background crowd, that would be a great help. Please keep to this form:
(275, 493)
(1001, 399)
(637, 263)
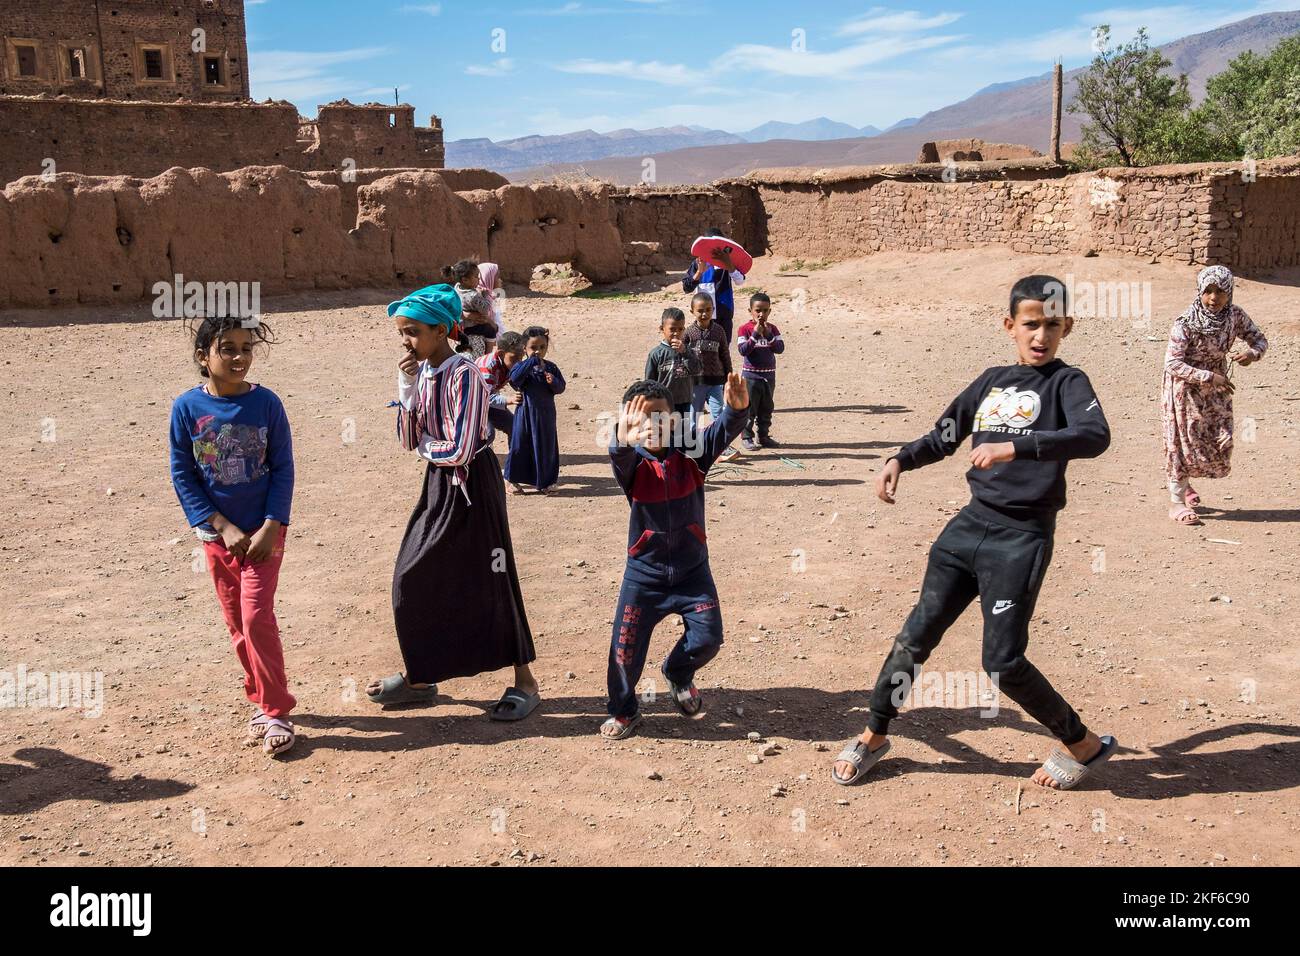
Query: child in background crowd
(706, 339)
(760, 342)
(478, 325)
(495, 368)
(232, 467)
(490, 284)
(534, 457)
(671, 364)
(718, 284)
(1196, 397)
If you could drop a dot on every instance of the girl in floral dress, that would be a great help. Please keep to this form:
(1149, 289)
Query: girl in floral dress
(1196, 397)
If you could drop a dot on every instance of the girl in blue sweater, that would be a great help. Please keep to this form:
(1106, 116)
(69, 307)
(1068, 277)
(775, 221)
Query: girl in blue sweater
(232, 467)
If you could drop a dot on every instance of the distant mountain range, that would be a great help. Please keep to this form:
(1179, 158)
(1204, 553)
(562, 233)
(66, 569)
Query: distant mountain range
(1014, 112)
(512, 155)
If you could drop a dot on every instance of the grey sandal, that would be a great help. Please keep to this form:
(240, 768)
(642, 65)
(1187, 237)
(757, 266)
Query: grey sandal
(1068, 772)
(515, 705)
(856, 753)
(395, 690)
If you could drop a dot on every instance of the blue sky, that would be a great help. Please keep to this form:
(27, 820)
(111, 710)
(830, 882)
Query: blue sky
(503, 70)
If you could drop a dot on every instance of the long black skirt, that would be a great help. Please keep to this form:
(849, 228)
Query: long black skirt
(456, 598)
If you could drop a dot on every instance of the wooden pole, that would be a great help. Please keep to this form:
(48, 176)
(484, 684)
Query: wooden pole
(1058, 83)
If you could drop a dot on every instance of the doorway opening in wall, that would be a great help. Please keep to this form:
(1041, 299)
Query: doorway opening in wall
(77, 64)
(153, 64)
(212, 70)
(26, 60)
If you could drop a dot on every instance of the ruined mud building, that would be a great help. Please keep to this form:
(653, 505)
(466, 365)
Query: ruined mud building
(135, 87)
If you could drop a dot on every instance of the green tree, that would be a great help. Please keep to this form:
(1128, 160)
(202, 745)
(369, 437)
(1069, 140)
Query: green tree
(1271, 125)
(1221, 120)
(1138, 113)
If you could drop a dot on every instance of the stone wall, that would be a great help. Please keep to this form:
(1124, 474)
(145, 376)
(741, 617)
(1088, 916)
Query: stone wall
(1195, 214)
(674, 218)
(107, 138)
(109, 239)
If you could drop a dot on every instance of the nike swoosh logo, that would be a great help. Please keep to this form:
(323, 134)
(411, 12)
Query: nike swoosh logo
(1003, 606)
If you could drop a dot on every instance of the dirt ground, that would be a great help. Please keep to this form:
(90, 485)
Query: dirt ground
(816, 575)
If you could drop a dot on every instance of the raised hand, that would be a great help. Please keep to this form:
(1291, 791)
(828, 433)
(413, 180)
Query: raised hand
(631, 425)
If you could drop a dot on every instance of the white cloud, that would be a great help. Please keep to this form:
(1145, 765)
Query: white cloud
(668, 74)
(432, 9)
(832, 65)
(498, 67)
(880, 20)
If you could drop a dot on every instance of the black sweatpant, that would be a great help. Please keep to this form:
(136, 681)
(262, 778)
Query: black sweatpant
(1004, 567)
(761, 404)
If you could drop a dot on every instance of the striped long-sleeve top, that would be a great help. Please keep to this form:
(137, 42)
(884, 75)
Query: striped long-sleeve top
(442, 413)
(759, 351)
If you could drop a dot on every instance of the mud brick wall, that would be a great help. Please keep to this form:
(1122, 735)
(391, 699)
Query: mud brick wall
(113, 39)
(85, 239)
(142, 139)
(82, 239)
(1201, 214)
(674, 218)
(1267, 213)
(369, 136)
(110, 138)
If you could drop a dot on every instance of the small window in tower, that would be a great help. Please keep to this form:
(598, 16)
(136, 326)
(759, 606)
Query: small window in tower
(77, 64)
(26, 60)
(212, 70)
(153, 64)
(392, 120)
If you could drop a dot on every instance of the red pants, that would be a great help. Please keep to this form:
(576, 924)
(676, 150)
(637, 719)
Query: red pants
(247, 595)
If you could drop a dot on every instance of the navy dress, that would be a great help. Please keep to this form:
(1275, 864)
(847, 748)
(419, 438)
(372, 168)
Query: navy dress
(534, 457)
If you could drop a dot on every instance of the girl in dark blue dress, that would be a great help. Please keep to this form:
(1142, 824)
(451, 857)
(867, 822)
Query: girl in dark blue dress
(534, 457)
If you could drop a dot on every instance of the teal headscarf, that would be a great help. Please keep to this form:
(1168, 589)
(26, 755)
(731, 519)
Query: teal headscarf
(432, 305)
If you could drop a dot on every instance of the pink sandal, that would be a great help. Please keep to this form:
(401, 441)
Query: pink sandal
(1181, 516)
(1192, 498)
(279, 729)
(257, 729)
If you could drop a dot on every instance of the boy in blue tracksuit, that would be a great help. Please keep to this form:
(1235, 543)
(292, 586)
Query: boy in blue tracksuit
(667, 557)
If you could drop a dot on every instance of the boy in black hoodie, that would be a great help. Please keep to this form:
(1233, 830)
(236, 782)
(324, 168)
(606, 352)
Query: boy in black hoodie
(1027, 421)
